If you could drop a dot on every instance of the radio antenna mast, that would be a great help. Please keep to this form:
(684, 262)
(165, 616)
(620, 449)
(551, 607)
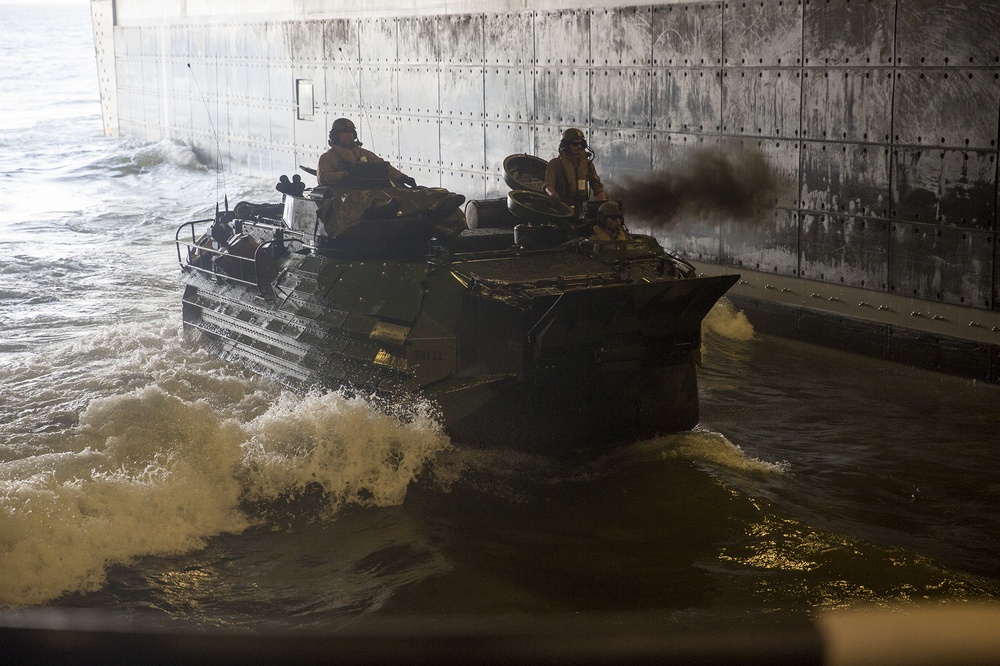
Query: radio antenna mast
(220, 173)
(361, 100)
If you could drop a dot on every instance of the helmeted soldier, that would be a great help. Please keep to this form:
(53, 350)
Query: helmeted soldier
(572, 177)
(349, 205)
(611, 223)
(345, 150)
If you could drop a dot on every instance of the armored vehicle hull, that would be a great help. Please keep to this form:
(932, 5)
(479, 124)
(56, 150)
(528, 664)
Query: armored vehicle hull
(529, 337)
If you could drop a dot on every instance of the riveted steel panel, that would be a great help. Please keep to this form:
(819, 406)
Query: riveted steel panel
(341, 41)
(234, 76)
(418, 39)
(761, 102)
(259, 127)
(508, 39)
(460, 39)
(845, 178)
(258, 83)
(947, 107)
(205, 73)
(620, 97)
(150, 111)
(381, 135)
(670, 149)
(495, 187)
(283, 161)
(687, 34)
(216, 39)
(847, 104)
(305, 41)
(237, 118)
(941, 264)
(178, 110)
(205, 109)
(343, 91)
(462, 144)
(621, 153)
(462, 93)
(197, 42)
(180, 81)
(951, 187)
(259, 157)
(281, 84)
(503, 139)
(128, 44)
(769, 248)
(378, 88)
(418, 90)
(562, 96)
(176, 39)
(419, 140)
(845, 33)
(621, 37)
(933, 33)
(545, 139)
(283, 125)
(762, 34)
(562, 38)
(279, 40)
(853, 251)
(377, 40)
(255, 42)
(509, 93)
(687, 99)
(467, 183)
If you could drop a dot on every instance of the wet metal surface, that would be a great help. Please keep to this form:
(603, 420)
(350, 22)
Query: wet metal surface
(884, 115)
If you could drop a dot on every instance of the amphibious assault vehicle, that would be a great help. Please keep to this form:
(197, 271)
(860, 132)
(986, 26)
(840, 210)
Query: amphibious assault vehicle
(521, 330)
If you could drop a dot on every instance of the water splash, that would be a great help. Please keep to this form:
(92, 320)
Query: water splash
(726, 321)
(355, 453)
(164, 448)
(715, 449)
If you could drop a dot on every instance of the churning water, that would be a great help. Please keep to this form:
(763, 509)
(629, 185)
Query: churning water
(141, 476)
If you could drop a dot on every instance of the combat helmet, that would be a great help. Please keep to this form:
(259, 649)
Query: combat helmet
(342, 125)
(610, 209)
(570, 135)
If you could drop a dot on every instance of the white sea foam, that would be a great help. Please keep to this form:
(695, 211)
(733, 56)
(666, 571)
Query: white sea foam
(354, 452)
(177, 448)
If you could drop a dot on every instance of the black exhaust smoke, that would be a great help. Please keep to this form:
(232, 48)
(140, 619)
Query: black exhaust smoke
(737, 183)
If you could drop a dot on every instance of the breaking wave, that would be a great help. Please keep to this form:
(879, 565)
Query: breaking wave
(174, 450)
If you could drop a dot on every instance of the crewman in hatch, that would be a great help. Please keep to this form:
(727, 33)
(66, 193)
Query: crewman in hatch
(572, 177)
(345, 150)
(400, 197)
(612, 223)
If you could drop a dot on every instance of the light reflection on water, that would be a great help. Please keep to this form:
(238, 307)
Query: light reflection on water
(816, 479)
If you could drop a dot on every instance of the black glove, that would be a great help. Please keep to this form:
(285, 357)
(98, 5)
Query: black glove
(408, 181)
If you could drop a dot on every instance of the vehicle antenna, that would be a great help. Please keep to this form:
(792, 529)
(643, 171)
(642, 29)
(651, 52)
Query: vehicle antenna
(220, 173)
(361, 101)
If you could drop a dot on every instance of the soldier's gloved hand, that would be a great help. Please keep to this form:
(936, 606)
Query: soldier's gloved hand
(408, 181)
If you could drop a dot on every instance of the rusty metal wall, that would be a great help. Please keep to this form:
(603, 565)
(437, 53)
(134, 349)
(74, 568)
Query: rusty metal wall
(885, 113)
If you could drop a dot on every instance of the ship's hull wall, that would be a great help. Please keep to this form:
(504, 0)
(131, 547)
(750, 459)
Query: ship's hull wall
(883, 116)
